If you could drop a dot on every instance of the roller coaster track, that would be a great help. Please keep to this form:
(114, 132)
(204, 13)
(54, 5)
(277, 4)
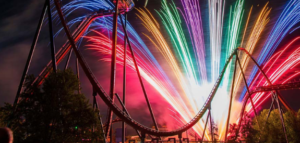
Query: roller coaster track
(136, 125)
(286, 86)
(67, 46)
(77, 34)
(122, 115)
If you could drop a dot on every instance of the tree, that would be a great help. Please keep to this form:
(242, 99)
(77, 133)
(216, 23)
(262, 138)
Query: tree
(232, 133)
(3, 115)
(55, 111)
(271, 129)
(298, 123)
(268, 131)
(245, 133)
(18, 129)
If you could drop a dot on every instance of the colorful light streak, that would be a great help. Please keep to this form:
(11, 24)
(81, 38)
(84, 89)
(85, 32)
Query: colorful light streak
(216, 17)
(102, 44)
(235, 19)
(255, 35)
(195, 80)
(172, 22)
(170, 17)
(281, 68)
(153, 27)
(193, 20)
(160, 43)
(287, 20)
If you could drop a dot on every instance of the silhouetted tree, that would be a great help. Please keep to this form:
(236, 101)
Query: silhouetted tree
(54, 112)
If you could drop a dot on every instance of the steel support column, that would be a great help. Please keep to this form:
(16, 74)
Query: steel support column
(247, 87)
(139, 75)
(124, 78)
(206, 122)
(95, 106)
(113, 64)
(211, 125)
(28, 62)
(273, 99)
(186, 140)
(187, 135)
(110, 135)
(241, 116)
(122, 104)
(52, 42)
(68, 59)
(126, 112)
(78, 77)
(143, 137)
(281, 117)
(32, 49)
(180, 137)
(231, 97)
(244, 103)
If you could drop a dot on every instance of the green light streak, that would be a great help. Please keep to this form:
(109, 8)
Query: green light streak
(171, 20)
(235, 20)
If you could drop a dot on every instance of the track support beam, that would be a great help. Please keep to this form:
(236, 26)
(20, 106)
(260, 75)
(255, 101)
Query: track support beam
(113, 64)
(78, 77)
(231, 97)
(143, 137)
(272, 105)
(124, 78)
(186, 140)
(68, 59)
(52, 42)
(281, 117)
(180, 137)
(31, 52)
(95, 107)
(248, 91)
(211, 125)
(125, 111)
(139, 75)
(267, 79)
(203, 134)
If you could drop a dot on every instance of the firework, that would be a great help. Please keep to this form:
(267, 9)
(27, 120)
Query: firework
(187, 61)
(216, 17)
(254, 37)
(287, 20)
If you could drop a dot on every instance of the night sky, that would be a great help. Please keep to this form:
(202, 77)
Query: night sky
(18, 22)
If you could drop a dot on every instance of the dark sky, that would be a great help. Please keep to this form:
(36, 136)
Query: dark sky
(19, 19)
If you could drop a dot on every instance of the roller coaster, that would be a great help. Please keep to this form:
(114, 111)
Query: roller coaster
(122, 7)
